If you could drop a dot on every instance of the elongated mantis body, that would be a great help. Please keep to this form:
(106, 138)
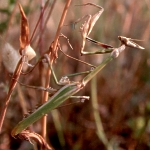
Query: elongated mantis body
(63, 94)
(69, 89)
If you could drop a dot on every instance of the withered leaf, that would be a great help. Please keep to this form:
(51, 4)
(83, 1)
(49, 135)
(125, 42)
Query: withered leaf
(32, 136)
(24, 36)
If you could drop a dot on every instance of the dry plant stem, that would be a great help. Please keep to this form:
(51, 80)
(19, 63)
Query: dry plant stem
(11, 88)
(99, 126)
(55, 45)
(45, 96)
(41, 15)
(77, 59)
(49, 14)
(47, 18)
(60, 25)
(41, 27)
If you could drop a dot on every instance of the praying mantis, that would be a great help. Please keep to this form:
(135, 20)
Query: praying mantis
(70, 88)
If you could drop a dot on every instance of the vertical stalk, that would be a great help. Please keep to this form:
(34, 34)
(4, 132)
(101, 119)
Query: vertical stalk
(13, 83)
(99, 126)
(47, 76)
(61, 24)
(49, 14)
(41, 15)
(41, 27)
(45, 97)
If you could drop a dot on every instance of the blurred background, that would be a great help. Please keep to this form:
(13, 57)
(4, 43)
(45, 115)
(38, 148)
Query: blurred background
(119, 93)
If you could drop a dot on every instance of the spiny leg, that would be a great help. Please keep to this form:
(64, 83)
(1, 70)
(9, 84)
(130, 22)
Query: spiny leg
(107, 48)
(68, 41)
(71, 56)
(33, 67)
(64, 80)
(81, 100)
(50, 89)
(80, 19)
(86, 29)
(41, 59)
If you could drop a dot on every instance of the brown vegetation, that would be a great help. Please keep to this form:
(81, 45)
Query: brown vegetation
(122, 86)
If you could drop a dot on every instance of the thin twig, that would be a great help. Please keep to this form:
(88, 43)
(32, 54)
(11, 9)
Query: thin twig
(46, 20)
(49, 14)
(76, 59)
(45, 96)
(11, 88)
(48, 73)
(42, 13)
(60, 26)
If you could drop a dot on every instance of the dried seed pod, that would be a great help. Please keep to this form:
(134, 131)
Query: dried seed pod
(29, 52)
(24, 37)
(10, 57)
(25, 48)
